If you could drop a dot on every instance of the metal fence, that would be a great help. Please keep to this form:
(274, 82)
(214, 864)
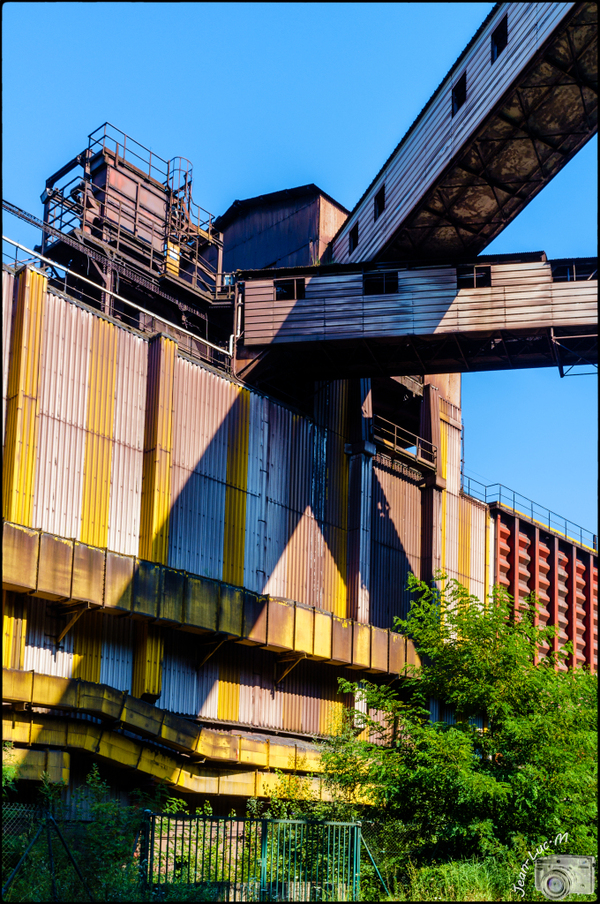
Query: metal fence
(231, 859)
(19, 824)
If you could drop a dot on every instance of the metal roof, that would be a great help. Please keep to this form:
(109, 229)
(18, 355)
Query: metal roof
(287, 194)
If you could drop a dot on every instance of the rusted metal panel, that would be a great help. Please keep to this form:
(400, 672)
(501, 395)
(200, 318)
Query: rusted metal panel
(63, 417)
(254, 620)
(280, 625)
(396, 538)
(437, 136)
(323, 634)
(128, 448)
(8, 287)
(41, 653)
(116, 664)
(201, 603)
(341, 641)
(171, 595)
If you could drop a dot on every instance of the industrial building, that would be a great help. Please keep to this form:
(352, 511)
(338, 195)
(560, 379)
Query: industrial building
(228, 441)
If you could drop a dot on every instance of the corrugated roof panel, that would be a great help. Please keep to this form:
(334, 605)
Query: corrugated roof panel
(63, 418)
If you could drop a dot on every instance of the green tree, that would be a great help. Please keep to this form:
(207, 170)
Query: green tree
(467, 791)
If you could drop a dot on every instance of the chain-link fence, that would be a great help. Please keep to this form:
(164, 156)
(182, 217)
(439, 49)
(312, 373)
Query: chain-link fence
(19, 824)
(388, 843)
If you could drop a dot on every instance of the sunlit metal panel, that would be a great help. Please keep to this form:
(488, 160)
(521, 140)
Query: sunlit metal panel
(41, 652)
(128, 448)
(63, 417)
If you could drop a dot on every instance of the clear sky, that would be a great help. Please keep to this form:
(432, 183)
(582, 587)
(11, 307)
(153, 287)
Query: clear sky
(262, 97)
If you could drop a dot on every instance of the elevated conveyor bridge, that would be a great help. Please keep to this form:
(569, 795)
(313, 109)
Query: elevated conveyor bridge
(492, 314)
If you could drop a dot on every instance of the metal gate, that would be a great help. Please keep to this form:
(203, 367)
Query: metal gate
(233, 859)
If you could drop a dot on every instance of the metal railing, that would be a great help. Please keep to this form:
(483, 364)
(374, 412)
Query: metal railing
(526, 508)
(400, 440)
(80, 290)
(252, 859)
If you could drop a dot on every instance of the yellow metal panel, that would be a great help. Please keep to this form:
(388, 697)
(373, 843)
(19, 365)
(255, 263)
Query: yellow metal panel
(20, 552)
(335, 565)
(254, 752)
(87, 647)
(216, 745)
(268, 784)
(142, 716)
(158, 445)
(308, 760)
(14, 629)
(228, 707)
(397, 653)
(280, 625)
(22, 406)
(198, 781)
(239, 783)
(322, 637)
(99, 433)
(100, 699)
(180, 733)
(119, 749)
(201, 603)
(160, 766)
(238, 421)
(17, 686)
(32, 763)
(231, 602)
(48, 690)
(412, 657)
(361, 646)
(443, 462)
(16, 730)
(282, 756)
(55, 568)
(88, 574)
(147, 665)
(118, 586)
(304, 630)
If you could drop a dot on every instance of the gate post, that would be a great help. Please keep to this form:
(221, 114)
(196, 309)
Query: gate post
(263, 856)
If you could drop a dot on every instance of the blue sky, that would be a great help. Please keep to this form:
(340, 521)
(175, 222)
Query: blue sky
(262, 97)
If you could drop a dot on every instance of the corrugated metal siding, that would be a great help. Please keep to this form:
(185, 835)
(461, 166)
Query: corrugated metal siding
(95, 502)
(87, 647)
(187, 689)
(128, 448)
(63, 418)
(451, 449)
(396, 538)
(116, 666)
(256, 494)
(8, 287)
(472, 550)
(421, 158)
(23, 397)
(41, 654)
(202, 403)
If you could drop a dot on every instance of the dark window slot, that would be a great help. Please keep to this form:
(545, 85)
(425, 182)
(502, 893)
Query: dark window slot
(473, 277)
(499, 38)
(380, 283)
(289, 289)
(459, 93)
(353, 238)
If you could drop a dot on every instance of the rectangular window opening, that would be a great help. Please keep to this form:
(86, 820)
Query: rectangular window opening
(380, 283)
(459, 93)
(470, 277)
(499, 38)
(379, 202)
(289, 289)
(353, 238)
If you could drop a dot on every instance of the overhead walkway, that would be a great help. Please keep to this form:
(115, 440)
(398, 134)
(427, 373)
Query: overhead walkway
(494, 314)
